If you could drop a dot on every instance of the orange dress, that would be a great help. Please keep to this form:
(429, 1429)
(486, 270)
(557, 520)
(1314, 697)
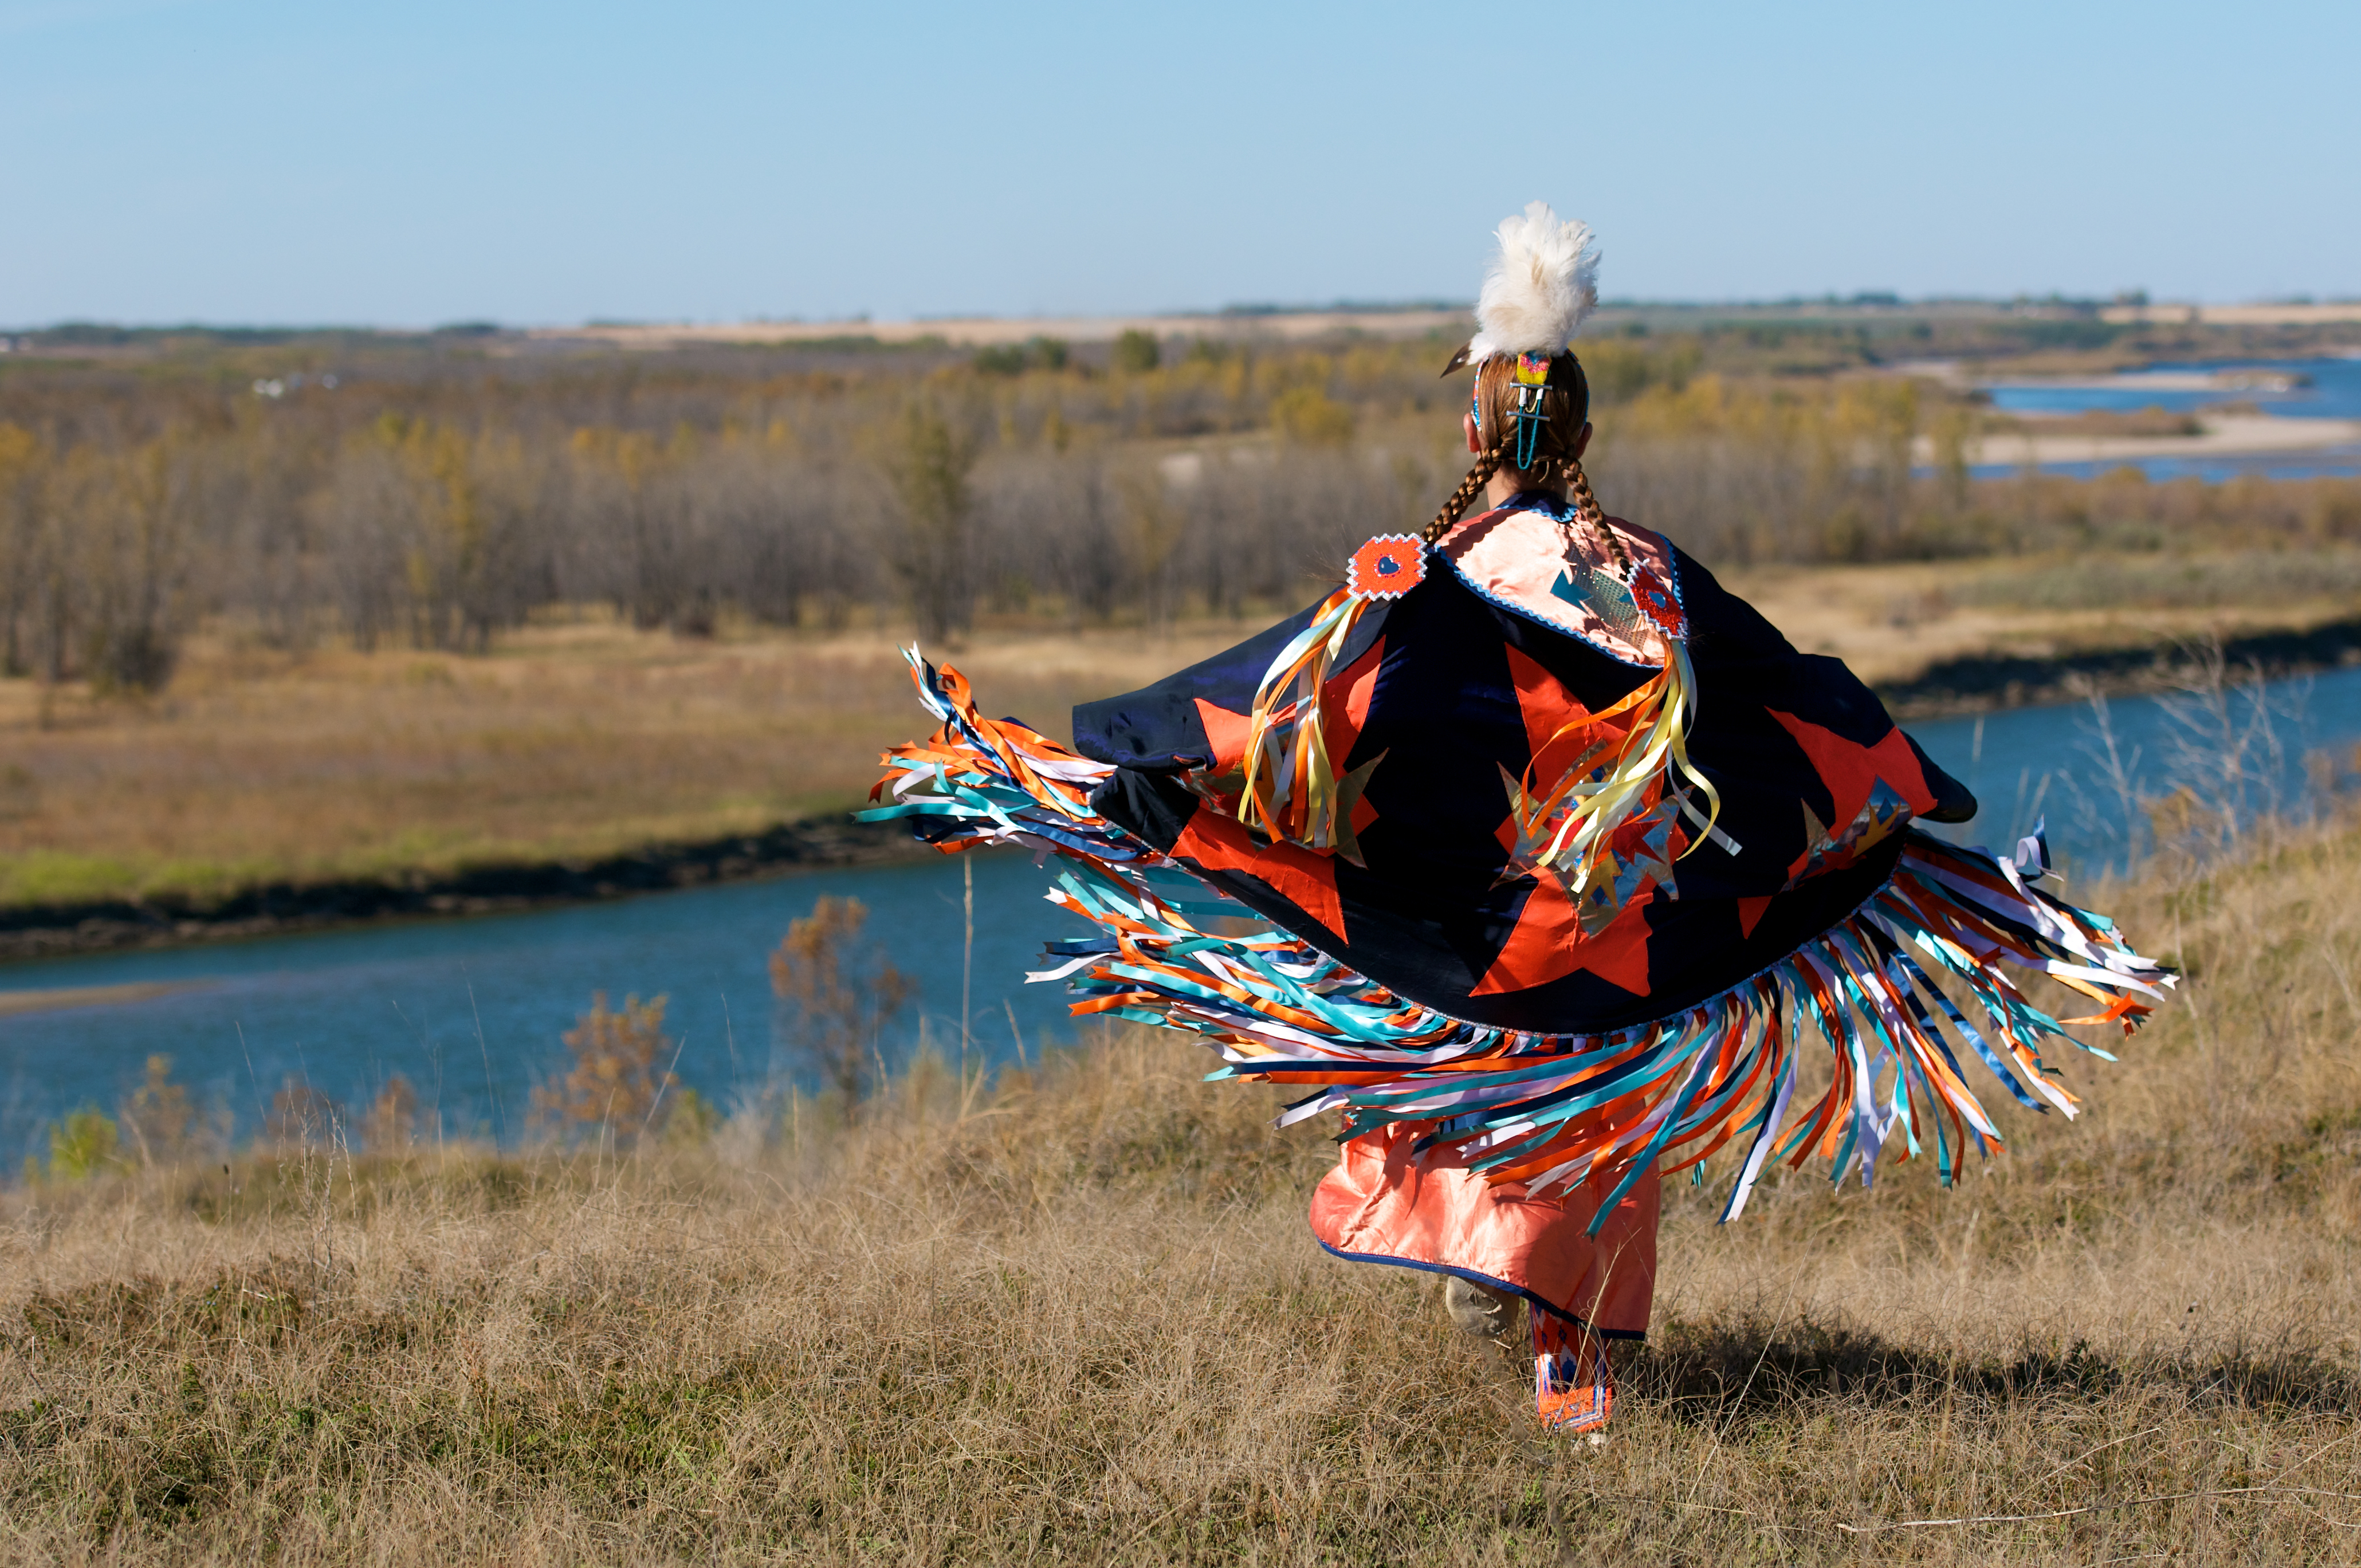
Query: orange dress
(1383, 1204)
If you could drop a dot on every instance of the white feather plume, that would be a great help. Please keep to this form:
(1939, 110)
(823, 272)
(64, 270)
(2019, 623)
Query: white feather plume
(1540, 287)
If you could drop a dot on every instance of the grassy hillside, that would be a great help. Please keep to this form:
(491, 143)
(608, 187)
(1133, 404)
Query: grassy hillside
(1076, 1316)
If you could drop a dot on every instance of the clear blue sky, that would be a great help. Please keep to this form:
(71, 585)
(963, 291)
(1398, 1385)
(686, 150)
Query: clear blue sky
(529, 162)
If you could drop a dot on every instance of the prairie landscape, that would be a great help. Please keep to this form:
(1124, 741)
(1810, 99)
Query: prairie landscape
(1073, 1314)
(279, 610)
(482, 1081)
(585, 737)
(477, 603)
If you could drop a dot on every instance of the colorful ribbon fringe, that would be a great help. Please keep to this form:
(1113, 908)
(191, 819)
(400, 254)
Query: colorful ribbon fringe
(1554, 1111)
(1290, 794)
(1627, 753)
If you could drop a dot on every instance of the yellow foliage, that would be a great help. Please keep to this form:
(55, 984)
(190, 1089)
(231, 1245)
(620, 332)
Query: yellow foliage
(615, 1082)
(842, 991)
(1309, 417)
(82, 1145)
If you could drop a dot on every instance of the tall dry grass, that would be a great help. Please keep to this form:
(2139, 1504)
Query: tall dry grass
(1075, 1315)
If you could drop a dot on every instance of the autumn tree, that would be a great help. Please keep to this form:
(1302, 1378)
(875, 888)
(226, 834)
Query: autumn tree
(428, 527)
(615, 1082)
(838, 991)
(302, 1117)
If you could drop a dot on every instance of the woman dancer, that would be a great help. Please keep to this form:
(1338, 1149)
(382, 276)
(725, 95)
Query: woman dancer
(1537, 856)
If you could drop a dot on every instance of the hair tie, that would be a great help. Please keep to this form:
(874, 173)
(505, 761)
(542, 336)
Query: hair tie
(1532, 372)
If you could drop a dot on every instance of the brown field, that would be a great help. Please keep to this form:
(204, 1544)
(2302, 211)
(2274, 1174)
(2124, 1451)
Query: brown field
(1075, 1316)
(567, 741)
(1889, 622)
(581, 738)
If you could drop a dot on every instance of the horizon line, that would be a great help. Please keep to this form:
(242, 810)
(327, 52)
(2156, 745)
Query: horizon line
(2128, 306)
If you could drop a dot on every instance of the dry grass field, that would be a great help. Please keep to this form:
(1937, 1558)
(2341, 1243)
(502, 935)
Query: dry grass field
(1889, 622)
(580, 738)
(567, 741)
(1075, 1316)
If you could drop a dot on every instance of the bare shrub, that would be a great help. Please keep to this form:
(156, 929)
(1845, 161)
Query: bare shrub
(160, 1116)
(302, 1118)
(838, 992)
(391, 1123)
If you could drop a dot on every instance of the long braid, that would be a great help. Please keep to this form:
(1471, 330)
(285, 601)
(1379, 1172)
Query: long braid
(1593, 516)
(1487, 463)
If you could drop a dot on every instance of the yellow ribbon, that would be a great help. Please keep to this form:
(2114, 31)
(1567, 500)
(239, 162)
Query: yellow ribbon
(1291, 785)
(1606, 794)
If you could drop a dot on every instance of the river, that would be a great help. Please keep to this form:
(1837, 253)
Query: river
(471, 1011)
(2323, 387)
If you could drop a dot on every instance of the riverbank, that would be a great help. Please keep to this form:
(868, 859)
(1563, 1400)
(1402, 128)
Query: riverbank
(1937, 639)
(1990, 682)
(575, 757)
(268, 793)
(37, 931)
(2216, 435)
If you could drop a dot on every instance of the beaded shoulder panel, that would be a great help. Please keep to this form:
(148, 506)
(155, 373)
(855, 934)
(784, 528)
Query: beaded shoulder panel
(1548, 568)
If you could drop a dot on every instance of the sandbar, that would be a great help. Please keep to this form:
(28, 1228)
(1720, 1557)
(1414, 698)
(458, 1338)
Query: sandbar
(15, 1004)
(2222, 435)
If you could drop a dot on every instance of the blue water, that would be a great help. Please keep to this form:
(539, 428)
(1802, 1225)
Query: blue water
(2271, 751)
(2343, 462)
(471, 1011)
(2333, 392)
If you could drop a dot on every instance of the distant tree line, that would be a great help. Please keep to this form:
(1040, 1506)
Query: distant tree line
(435, 501)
